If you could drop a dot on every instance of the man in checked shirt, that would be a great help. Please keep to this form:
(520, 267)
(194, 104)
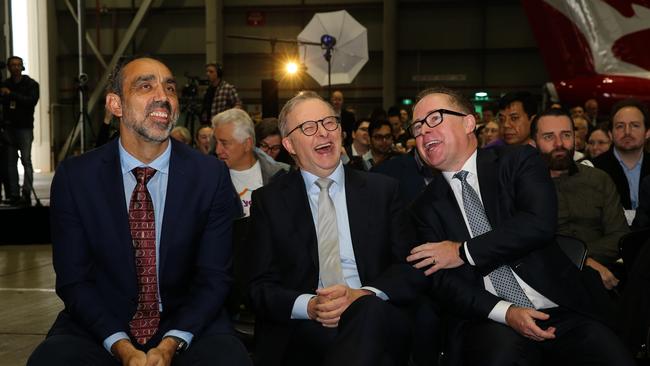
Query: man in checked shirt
(220, 95)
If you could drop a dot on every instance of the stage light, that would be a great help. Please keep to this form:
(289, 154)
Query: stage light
(291, 68)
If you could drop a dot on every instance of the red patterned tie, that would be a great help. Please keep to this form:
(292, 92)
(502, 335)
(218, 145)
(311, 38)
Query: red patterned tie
(143, 231)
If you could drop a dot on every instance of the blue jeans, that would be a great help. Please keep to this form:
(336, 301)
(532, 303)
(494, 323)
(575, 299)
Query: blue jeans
(19, 139)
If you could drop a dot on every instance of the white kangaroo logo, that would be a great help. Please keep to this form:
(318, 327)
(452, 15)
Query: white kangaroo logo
(602, 25)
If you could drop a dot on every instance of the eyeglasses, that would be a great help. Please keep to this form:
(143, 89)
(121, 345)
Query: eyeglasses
(309, 128)
(432, 119)
(265, 146)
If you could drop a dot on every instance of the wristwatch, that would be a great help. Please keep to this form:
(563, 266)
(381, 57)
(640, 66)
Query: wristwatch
(182, 345)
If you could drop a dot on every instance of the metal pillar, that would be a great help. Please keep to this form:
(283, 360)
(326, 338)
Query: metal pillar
(389, 54)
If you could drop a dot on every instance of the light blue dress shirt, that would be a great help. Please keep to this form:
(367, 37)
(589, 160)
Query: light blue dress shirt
(157, 187)
(633, 178)
(348, 261)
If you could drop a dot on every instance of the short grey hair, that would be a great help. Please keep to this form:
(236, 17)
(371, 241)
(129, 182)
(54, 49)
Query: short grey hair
(291, 105)
(244, 127)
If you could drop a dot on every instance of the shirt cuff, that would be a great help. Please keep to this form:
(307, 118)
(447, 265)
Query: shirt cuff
(469, 257)
(380, 294)
(112, 339)
(186, 336)
(498, 313)
(299, 310)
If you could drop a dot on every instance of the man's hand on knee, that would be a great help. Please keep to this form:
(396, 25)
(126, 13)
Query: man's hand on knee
(522, 320)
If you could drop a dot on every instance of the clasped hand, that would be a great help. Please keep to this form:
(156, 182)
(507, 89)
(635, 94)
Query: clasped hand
(330, 302)
(436, 256)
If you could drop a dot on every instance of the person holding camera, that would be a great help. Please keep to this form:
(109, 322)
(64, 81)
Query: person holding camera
(220, 95)
(19, 95)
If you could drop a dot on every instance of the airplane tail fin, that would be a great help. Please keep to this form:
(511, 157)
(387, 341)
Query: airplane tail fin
(587, 37)
(563, 48)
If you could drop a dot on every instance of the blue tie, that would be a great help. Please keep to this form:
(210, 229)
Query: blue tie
(502, 278)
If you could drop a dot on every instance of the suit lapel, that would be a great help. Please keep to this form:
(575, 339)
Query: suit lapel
(357, 201)
(177, 186)
(445, 204)
(489, 183)
(295, 198)
(113, 186)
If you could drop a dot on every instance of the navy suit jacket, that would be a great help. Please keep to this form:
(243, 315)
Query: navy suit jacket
(521, 205)
(93, 252)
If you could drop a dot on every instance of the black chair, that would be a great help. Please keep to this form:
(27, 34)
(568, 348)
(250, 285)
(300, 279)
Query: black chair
(630, 244)
(237, 302)
(574, 248)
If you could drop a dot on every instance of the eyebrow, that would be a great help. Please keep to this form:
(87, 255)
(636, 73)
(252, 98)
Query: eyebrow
(150, 77)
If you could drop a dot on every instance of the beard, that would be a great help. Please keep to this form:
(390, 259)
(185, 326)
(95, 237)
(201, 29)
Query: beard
(152, 131)
(558, 163)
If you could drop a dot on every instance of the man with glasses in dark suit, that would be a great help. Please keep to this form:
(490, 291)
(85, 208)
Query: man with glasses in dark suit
(488, 223)
(327, 277)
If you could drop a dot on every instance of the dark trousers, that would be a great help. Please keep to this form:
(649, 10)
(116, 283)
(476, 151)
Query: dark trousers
(69, 350)
(371, 332)
(17, 140)
(578, 341)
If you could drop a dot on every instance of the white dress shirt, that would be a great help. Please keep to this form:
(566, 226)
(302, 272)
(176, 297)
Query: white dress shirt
(348, 261)
(498, 313)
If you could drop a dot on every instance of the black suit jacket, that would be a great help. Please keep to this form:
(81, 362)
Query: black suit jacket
(347, 122)
(410, 175)
(284, 250)
(521, 204)
(608, 162)
(93, 253)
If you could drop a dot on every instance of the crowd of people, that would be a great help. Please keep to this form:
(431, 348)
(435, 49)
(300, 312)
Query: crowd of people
(420, 237)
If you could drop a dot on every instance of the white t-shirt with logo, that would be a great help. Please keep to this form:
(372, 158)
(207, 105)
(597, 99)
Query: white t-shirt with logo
(245, 182)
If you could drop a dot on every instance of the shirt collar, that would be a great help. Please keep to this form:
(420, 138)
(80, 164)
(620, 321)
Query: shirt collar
(469, 166)
(338, 176)
(128, 162)
(620, 161)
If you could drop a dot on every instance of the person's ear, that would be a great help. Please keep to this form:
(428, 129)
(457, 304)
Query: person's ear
(114, 104)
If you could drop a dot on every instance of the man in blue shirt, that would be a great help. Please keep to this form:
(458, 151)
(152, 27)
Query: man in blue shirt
(141, 233)
(327, 250)
(626, 162)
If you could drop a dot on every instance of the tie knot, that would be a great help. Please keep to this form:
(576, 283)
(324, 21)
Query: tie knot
(461, 175)
(143, 174)
(324, 183)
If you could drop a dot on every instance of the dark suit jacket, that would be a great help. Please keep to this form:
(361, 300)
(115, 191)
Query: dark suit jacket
(406, 170)
(607, 162)
(642, 218)
(284, 250)
(93, 252)
(347, 122)
(521, 204)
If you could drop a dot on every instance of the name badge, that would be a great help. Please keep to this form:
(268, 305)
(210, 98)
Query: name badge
(12, 104)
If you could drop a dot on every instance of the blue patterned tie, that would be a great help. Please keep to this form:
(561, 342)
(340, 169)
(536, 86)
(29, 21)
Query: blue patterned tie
(502, 278)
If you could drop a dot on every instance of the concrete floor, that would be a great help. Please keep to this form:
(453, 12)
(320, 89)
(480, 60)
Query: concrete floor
(27, 299)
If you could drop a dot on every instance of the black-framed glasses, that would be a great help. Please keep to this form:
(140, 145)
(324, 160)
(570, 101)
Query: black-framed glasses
(432, 119)
(265, 146)
(309, 128)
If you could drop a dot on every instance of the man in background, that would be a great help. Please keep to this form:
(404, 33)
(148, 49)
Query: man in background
(19, 95)
(220, 95)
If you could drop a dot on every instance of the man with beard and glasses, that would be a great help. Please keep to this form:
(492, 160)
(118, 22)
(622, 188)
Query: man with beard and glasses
(588, 205)
(626, 162)
(141, 240)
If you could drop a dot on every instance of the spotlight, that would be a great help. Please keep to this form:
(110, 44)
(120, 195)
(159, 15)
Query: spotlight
(327, 41)
(291, 68)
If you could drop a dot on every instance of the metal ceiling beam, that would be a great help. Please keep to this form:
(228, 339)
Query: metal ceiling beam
(99, 89)
(92, 45)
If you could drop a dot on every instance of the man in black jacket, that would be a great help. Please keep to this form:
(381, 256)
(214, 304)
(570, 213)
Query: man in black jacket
(19, 96)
